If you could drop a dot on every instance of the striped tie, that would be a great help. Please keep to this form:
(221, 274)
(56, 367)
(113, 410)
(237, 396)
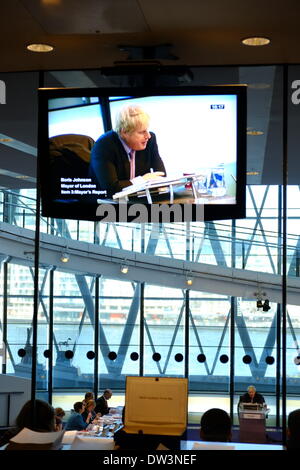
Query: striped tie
(132, 163)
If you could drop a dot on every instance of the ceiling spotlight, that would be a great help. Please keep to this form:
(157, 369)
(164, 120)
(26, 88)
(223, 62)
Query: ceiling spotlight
(40, 47)
(266, 306)
(64, 257)
(256, 41)
(124, 269)
(189, 280)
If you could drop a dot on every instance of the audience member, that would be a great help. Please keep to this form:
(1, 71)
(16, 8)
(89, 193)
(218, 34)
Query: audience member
(75, 421)
(90, 411)
(88, 396)
(215, 426)
(101, 403)
(44, 420)
(59, 414)
(293, 430)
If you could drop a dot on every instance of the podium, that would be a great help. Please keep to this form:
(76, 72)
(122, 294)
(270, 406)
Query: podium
(252, 418)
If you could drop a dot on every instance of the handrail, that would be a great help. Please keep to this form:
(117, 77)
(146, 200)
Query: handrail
(221, 231)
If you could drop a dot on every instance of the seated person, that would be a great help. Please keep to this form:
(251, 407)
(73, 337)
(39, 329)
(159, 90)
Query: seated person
(131, 151)
(90, 411)
(143, 442)
(293, 430)
(101, 402)
(88, 396)
(215, 426)
(252, 396)
(75, 421)
(59, 414)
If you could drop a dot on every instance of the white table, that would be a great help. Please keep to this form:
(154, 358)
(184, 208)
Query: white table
(204, 445)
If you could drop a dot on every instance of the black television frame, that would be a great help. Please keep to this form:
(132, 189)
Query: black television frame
(82, 210)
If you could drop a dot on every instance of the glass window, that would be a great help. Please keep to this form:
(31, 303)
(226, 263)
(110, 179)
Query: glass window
(164, 320)
(119, 320)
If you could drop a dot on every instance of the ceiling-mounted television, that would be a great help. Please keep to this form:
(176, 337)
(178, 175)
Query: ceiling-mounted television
(143, 154)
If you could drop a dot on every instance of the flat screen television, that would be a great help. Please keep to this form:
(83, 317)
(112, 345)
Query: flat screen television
(199, 133)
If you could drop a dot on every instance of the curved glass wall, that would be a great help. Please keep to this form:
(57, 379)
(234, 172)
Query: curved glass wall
(221, 343)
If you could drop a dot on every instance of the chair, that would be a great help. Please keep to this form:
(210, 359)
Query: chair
(69, 157)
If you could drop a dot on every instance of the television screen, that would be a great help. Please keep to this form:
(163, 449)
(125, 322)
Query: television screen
(143, 155)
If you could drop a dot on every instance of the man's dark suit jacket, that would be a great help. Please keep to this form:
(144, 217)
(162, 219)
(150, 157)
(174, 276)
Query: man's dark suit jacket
(101, 406)
(110, 167)
(258, 398)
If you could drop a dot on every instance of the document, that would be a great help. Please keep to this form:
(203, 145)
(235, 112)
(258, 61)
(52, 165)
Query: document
(26, 436)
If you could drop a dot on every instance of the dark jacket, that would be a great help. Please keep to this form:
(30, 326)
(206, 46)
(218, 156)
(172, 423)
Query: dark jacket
(110, 167)
(145, 442)
(258, 398)
(85, 415)
(101, 406)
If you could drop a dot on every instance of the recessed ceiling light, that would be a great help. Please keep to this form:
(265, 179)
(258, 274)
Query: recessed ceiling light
(253, 173)
(6, 139)
(256, 41)
(40, 47)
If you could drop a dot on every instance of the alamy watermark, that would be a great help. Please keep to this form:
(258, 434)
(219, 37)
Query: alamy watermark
(152, 213)
(296, 94)
(2, 92)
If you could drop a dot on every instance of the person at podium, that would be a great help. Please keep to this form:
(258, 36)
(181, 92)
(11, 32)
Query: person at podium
(252, 396)
(127, 154)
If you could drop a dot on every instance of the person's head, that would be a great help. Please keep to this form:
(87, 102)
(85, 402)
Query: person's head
(215, 426)
(78, 407)
(293, 425)
(59, 412)
(90, 405)
(88, 396)
(107, 393)
(44, 417)
(251, 391)
(132, 124)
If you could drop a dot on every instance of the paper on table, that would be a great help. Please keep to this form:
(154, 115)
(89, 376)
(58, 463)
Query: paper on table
(153, 183)
(85, 443)
(211, 446)
(27, 436)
